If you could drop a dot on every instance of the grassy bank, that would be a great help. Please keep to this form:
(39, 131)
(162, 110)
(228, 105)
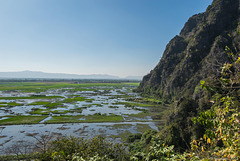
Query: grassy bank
(15, 120)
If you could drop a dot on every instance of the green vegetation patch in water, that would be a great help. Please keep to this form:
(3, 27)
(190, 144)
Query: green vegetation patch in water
(49, 105)
(75, 99)
(104, 118)
(141, 114)
(39, 103)
(77, 110)
(60, 111)
(143, 127)
(130, 104)
(40, 112)
(13, 120)
(132, 84)
(54, 105)
(31, 97)
(78, 89)
(81, 118)
(12, 104)
(41, 86)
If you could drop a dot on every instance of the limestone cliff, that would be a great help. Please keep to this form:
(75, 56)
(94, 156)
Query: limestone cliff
(196, 53)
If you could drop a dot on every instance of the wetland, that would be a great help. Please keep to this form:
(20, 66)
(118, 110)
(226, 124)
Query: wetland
(86, 110)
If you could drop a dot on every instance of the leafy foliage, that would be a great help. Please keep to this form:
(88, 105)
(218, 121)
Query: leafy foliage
(72, 148)
(222, 139)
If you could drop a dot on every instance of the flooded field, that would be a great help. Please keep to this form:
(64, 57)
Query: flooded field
(30, 110)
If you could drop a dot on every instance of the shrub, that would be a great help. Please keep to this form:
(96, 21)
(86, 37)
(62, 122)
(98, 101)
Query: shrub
(72, 148)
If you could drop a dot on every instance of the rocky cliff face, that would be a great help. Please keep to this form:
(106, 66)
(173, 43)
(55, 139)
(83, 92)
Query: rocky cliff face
(197, 52)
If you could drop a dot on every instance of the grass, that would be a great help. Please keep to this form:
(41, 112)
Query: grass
(120, 96)
(54, 105)
(41, 87)
(103, 118)
(14, 120)
(10, 104)
(141, 114)
(64, 119)
(131, 104)
(59, 112)
(124, 126)
(48, 111)
(78, 110)
(75, 99)
(40, 112)
(132, 84)
(78, 89)
(123, 135)
(146, 100)
(152, 100)
(143, 127)
(31, 97)
(81, 118)
(39, 103)
(14, 104)
(49, 105)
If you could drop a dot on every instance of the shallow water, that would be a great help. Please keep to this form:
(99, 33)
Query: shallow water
(14, 133)
(103, 102)
(106, 100)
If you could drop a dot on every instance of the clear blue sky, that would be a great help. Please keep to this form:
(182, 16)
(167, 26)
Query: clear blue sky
(116, 37)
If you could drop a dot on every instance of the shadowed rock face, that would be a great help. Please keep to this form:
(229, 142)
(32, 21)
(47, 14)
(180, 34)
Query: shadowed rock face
(196, 52)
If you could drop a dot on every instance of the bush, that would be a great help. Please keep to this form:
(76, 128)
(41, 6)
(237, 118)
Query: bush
(72, 148)
(133, 137)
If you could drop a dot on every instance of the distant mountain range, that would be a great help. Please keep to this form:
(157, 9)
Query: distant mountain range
(38, 74)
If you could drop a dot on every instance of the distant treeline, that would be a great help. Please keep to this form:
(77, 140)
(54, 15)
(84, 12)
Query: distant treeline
(68, 80)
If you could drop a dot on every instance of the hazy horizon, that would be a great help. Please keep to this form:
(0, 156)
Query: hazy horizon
(120, 37)
(42, 72)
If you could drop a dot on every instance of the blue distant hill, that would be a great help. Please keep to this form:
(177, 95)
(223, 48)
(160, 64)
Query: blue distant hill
(39, 74)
